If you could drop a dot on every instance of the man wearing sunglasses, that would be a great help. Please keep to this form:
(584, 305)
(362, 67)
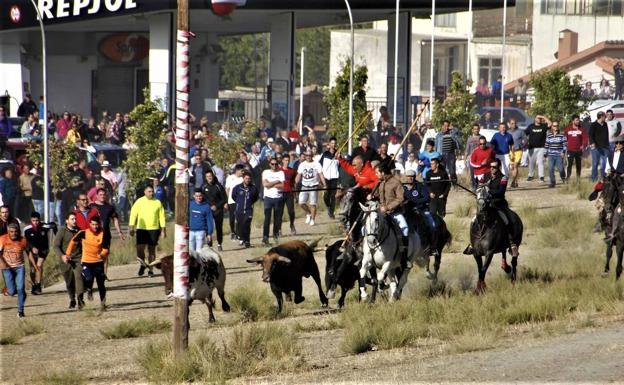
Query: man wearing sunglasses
(273, 183)
(480, 160)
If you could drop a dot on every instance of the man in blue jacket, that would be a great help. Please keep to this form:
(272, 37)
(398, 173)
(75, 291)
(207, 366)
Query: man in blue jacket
(245, 195)
(200, 221)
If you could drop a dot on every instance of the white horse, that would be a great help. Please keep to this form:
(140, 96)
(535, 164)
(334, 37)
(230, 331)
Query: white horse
(381, 248)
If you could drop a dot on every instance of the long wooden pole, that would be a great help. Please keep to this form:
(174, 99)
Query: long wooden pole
(181, 234)
(360, 125)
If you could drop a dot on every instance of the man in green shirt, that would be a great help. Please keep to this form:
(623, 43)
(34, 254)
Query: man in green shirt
(147, 218)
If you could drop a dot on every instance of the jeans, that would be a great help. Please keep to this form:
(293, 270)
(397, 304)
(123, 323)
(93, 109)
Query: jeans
(400, 220)
(275, 205)
(289, 202)
(505, 162)
(14, 280)
(449, 162)
(196, 239)
(39, 205)
(599, 157)
(575, 157)
(330, 196)
(555, 161)
(122, 207)
(536, 155)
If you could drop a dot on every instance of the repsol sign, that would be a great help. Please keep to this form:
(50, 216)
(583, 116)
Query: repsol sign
(57, 9)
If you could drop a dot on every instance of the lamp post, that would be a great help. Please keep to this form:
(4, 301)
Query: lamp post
(351, 76)
(502, 90)
(301, 92)
(431, 59)
(468, 74)
(46, 158)
(396, 63)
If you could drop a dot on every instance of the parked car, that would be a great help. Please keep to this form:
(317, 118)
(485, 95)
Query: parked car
(603, 105)
(522, 118)
(114, 154)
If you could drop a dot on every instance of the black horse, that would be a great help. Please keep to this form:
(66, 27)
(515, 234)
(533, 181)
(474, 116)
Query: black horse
(488, 236)
(612, 195)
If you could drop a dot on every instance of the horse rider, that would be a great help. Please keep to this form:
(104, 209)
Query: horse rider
(417, 200)
(497, 184)
(365, 179)
(615, 169)
(391, 197)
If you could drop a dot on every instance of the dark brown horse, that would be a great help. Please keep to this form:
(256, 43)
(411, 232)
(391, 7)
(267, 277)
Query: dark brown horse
(612, 195)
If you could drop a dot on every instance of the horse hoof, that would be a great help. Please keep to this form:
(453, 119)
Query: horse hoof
(430, 276)
(363, 294)
(481, 286)
(505, 266)
(331, 294)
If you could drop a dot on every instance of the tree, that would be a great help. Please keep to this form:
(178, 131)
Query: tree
(337, 102)
(224, 152)
(556, 95)
(459, 107)
(147, 134)
(317, 42)
(61, 156)
(238, 58)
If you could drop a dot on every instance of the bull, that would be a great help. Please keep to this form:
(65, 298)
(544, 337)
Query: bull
(206, 273)
(342, 269)
(284, 267)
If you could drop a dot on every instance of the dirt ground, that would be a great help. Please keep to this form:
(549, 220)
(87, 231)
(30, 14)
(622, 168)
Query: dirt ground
(72, 339)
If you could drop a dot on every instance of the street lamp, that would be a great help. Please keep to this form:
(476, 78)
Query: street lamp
(396, 62)
(431, 59)
(46, 160)
(502, 91)
(351, 77)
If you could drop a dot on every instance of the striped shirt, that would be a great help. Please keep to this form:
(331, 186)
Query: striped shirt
(556, 144)
(448, 144)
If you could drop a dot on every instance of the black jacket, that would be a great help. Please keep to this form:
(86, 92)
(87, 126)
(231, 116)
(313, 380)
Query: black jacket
(438, 188)
(367, 155)
(599, 134)
(215, 195)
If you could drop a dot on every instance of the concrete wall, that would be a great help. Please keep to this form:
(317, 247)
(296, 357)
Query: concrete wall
(517, 59)
(11, 79)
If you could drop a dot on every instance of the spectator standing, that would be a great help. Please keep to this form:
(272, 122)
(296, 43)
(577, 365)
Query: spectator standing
(200, 221)
(13, 253)
(73, 136)
(394, 147)
(576, 137)
(437, 181)
(472, 143)
(38, 192)
(273, 183)
(232, 181)
(411, 163)
(496, 87)
(6, 127)
(487, 122)
(536, 133)
(70, 265)
(310, 174)
(198, 170)
(95, 244)
(426, 156)
(588, 92)
(93, 132)
(519, 142)
(25, 204)
(447, 144)
(364, 151)
(618, 75)
(6, 219)
(29, 125)
(27, 107)
(284, 140)
(604, 90)
(329, 164)
(502, 144)
(36, 235)
(615, 129)
(520, 91)
(289, 196)
(480, 160)
(483, 92)
(216, 196)
(147, 219)
(245, 195)
(108, 174)
(556, 147)
(63, 125)
(8, 188)
(599, 143)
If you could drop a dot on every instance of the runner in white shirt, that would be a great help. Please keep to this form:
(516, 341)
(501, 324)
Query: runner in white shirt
(310, 173)
(232, 181)
(273, 182)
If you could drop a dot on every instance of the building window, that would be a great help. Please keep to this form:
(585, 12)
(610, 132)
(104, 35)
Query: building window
(489, 69)
(582, 7)
(446, 20)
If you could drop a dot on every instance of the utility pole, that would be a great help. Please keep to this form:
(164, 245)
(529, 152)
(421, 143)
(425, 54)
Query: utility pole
(181, 232)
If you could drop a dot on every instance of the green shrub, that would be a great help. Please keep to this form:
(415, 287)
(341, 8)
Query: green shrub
(136, 328)
(251, 350)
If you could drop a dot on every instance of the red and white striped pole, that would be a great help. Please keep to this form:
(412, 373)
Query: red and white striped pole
(181, 232)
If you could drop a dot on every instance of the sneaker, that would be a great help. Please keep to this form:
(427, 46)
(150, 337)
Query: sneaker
(529, 179)
(542, 180)
(247, 245)
(150, 273)
(241, 242)
(5, 292)
(103, 306)
(141, 271)
(219, 248)
(170, 295)
(20, 314)
(293, 231)
(35, 289)
(72, 304)
(106, 278)
(81, 304)
(90, 294)
(233, 236)
(265, 241)
(308, 219)
(311, 222)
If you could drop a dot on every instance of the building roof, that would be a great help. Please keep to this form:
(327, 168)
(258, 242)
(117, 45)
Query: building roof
(604, 54)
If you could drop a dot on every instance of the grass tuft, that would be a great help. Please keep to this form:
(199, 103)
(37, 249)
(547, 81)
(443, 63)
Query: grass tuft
(464, 209)
(136, 328)
(22, 329)
(65, 377)
(255, 304)
(319, 325)
(581, 188)
(251, 350)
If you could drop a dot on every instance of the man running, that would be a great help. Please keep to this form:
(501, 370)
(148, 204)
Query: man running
(147, 219)
(95, 245)
(70, 267)
(310, 173)
(200, 221)
(437, 181)
(13, 250)
(36, 235)
(273, 183)
(245, 195)
(107, 213)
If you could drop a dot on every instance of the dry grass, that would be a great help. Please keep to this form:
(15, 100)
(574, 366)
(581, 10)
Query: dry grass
(464, 209)
(22, 329)
(581, 188)
(255, 303)
(251, 350)
(65, 377)
(136, 328)
(318, 325)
